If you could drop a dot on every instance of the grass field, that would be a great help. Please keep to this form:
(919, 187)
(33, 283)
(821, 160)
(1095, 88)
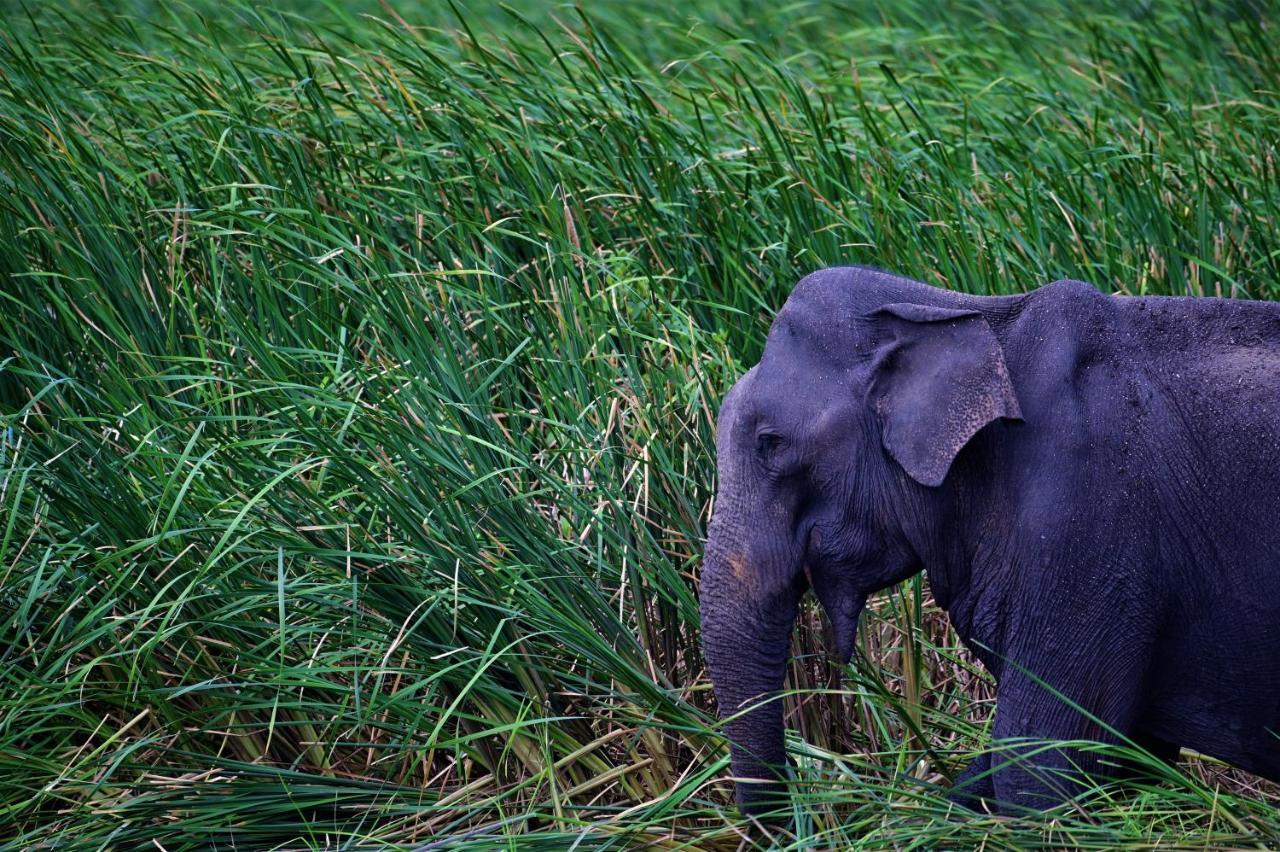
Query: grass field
(358, 369)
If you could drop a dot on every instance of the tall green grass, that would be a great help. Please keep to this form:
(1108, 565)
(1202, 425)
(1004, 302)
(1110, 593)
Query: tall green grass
(358, 372)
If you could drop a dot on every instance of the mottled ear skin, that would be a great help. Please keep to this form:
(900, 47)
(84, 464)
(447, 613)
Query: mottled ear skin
(938, 377)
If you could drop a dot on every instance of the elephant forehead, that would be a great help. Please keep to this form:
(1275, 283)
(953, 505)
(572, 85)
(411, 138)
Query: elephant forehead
(803, 333)
(793, 387)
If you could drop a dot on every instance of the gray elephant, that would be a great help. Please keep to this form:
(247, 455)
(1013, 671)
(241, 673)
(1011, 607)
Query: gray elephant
(1089, 482)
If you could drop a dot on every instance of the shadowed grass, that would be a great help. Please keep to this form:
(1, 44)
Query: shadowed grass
(358, 371)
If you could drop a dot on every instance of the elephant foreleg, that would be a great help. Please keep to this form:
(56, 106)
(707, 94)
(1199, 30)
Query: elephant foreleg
(1032, 766)
(1162, 751)
(973, 787)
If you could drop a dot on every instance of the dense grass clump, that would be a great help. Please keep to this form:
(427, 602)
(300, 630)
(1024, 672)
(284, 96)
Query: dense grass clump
(359, 364)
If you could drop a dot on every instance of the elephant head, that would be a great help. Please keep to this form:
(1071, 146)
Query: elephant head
(826, 450)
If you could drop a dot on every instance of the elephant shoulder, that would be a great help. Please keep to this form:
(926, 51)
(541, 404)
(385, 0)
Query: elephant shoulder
(1076, 306)
(1060, 328)
(1070, 289)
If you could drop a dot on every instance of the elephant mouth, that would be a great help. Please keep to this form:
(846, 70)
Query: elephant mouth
(843, 607)
(844, 624)
(842, 604)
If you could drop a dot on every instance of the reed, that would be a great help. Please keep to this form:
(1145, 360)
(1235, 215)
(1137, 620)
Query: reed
(358, 373)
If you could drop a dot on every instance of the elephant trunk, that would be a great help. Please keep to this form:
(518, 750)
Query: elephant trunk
(746, 635)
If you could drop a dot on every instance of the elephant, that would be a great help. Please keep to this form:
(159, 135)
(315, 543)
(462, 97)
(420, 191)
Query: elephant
(1089, 483)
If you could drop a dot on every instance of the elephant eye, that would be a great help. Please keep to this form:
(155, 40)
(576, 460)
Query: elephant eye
(766, 443)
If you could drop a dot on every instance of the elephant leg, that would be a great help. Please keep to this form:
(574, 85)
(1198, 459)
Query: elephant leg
(973, 787)
(1162, 750)
(1030, 771)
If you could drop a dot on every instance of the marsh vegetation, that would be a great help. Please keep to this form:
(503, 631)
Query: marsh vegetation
(359, 366)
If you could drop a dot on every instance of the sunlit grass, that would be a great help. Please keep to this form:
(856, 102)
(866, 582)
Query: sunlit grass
(358, 370)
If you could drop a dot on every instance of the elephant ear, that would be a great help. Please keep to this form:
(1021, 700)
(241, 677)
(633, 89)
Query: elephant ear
(938, 376)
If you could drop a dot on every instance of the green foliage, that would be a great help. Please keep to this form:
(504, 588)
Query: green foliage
(358, 370)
